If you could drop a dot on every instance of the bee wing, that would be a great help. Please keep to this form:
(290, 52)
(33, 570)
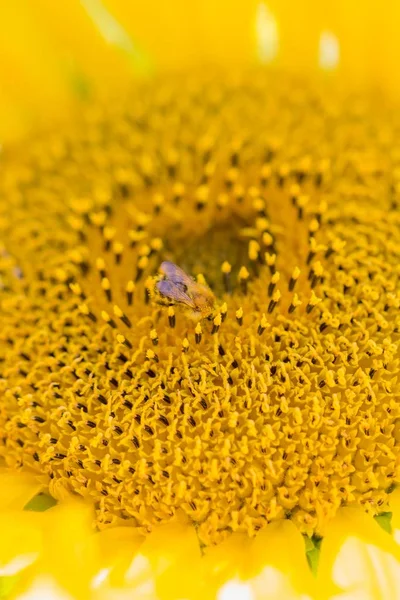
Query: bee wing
(174, 292)
(175, 273)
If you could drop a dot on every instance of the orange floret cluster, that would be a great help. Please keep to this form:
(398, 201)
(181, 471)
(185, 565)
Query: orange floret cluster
(283, 197)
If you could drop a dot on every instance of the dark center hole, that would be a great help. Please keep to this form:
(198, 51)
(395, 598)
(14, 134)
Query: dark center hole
(207, 254)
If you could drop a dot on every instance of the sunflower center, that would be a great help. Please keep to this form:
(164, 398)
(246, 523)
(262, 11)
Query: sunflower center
(286, 404)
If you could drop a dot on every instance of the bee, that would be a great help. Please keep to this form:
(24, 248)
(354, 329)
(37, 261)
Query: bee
(176, 287)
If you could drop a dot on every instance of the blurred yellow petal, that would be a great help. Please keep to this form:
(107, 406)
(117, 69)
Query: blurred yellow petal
(271, 584)
(21, 540)
(179, 33)
(85, 55)
(299, 28)
(369, 42)
(140, 578)
(385, 46)
(271, 548)
(17, 489)
(364, 570)
(117, 547)
(29, 74)
(173, 554)
(115, 35)
(358, 556)
(44, 588)
(70, 554)
(267, 34)
(263, 566)
(55, 53)
(15, 125)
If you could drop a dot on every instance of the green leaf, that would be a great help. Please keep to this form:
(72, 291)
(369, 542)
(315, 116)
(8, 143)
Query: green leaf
(385, 521)
(309, 543)
(313, 559)
(313, 550)
(40, 503)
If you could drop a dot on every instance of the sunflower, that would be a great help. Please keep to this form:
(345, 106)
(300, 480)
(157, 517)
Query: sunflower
(150, 448)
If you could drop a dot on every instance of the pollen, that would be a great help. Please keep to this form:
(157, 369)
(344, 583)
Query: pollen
(282, 403)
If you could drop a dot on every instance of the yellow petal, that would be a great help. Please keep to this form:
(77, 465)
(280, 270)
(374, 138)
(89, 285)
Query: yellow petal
(17, 489)
(140, 579)
(44, 588)
(21, 540)
(358, 556)
(271, 584)
(263, 567)
(83, 51)
(117, 547)
(173, 554)
(180, 33)
(299, 26)
(69, 552)
(53, 54)
(31, 79)
(271, 547)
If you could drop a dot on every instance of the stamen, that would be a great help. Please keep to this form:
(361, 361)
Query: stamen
(316, 273)
(178, 192)
(201, 197)
(314, 300)
(105, 284)
(198, 333)
(171, 316)
(156, 245)
(263, 325)
(302, 202)
(106, 317)
(313, 227)
(239, 316)
(117, 249)
(294, 303)
(274, 301)
(294, 278)
(101, 267)
(108, 235)
(158, 203)
(265, 174)
(77, 290)
(120, 314)
(216, 324)
(243, 279)
(122, 340)
(274, 280)
(142, 265)
(130, 289)
(151, 355)
(154, 337)
(223, 311)
(270, 259)
(85, 311)
(226, 273)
